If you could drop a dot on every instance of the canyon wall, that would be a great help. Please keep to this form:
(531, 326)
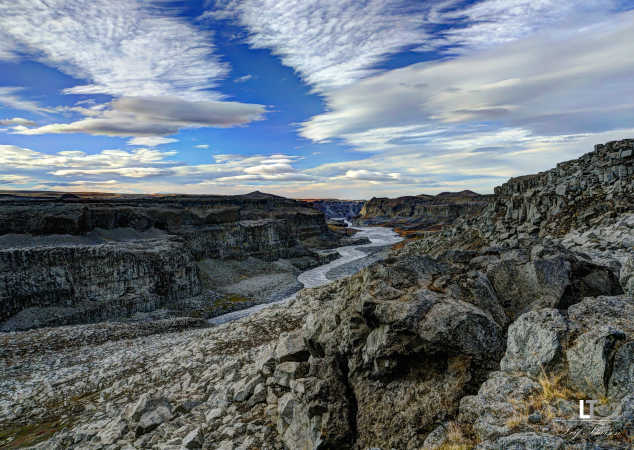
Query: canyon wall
(421, 211)
(74, 259)
(333, 208)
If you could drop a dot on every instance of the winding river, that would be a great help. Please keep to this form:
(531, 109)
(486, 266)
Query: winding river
(378, 236)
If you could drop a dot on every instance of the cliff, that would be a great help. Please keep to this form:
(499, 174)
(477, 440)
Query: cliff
(73, 259)
(421, 211)
(333, 208)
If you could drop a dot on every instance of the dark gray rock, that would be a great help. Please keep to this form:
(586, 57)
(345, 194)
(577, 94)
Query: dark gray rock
(591, 359)
(534, 342)
(622, 380)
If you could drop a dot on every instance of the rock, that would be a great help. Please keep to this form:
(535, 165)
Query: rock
(259, 394)
(291, 347)
(152, 419)
(266, 361)
(423, 210)
(436, 438)
(627, 275)
(113, 432)
(525, 441)
(535, 418)
(91, 260)
(622, 380)
(243, 389)
(489, 410)
(213, 414)
(287, 371)
(590, 360)
(193, 439)
(285, 409)
(534, 342)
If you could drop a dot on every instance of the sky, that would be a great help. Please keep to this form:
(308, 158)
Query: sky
(342, 99)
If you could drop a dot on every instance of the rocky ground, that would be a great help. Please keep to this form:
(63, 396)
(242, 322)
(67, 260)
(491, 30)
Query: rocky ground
(486, 335)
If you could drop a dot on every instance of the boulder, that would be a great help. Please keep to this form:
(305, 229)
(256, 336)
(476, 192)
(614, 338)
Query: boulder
(622, 380)
(291, 347)
(535, 342)
(591, 358)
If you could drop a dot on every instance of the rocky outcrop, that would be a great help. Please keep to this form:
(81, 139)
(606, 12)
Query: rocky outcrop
(552, 361)
(71, 259)
(421, 211)
(593, 190)
(402, 342)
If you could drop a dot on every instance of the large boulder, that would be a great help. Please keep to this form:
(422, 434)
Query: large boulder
(591, 359)
(534, 342)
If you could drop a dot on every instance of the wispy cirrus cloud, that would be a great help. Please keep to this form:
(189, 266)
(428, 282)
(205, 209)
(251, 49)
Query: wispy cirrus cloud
(585, 88)
(330, 43)
(11, 96)
(128, 50)
(123, 47)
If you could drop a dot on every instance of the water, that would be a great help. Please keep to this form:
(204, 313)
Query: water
(378, 236)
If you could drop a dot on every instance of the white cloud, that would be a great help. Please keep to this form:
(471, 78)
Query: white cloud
(202, 146)
(13, 157)
(330, 43)
(565, 83)
(9, 97)
(151, 141)
(123, 47)
(157, 116)
(489, 23)
(130, 172)
(18, 121)
(243, 78)
(14, 179)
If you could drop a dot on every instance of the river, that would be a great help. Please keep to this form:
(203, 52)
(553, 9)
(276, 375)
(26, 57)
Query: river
(378, 236)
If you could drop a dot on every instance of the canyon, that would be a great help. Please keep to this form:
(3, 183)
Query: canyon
(484, 332)
(69, 259)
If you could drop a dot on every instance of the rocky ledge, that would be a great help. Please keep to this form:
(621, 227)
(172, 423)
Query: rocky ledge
(460, 340)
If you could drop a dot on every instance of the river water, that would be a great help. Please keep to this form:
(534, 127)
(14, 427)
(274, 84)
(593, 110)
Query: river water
(378, 236)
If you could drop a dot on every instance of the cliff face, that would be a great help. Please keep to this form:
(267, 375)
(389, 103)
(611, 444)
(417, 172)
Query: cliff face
(76, 259)
(338, 208)
(575, 194)
(88, 283)
(422, 210)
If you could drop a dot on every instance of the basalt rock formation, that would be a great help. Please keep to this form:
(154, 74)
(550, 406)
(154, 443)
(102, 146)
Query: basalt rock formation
(484, 335)
(421, 211)
(74, 259)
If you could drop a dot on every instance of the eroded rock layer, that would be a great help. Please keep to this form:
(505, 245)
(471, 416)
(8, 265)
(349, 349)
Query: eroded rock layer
(421, 211)
(70, 259)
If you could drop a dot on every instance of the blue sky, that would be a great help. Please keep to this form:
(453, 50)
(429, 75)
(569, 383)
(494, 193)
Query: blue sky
(345, 98)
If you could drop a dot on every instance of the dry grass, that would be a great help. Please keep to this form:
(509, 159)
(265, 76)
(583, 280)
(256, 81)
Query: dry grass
(459, 437)
(553, 387)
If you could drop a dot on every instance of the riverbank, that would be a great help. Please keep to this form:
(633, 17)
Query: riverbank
(351, 259)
